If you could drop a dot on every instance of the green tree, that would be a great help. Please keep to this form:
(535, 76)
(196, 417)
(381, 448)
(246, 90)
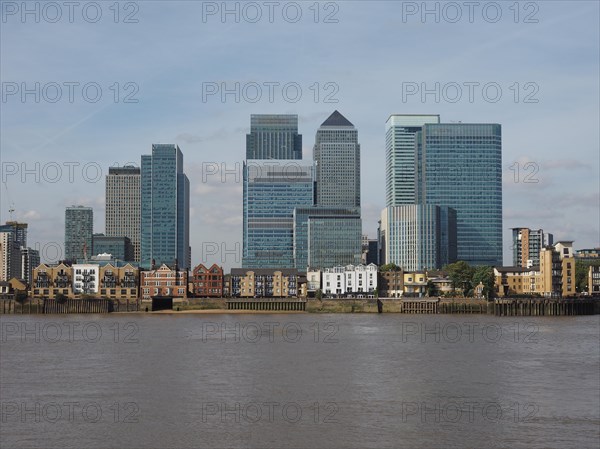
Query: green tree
(461, 275)
(432, 289)
(319, 294)
(485, 275)
(390, 267)
(61, 299)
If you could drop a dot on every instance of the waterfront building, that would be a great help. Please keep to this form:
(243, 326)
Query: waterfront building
(350, 280)
(164, 281)
(264, 283)
(207, 282)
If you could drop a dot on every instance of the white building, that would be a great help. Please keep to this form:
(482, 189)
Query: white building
(313, 280)
(86, 278)
(351, 280)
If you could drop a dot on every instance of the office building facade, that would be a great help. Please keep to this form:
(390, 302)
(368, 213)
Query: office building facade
(165, 206)
(273, 136)
(459, 165)
(271, 191)
(123, 205)
(418, 236)
(400, 130)
(119, 248)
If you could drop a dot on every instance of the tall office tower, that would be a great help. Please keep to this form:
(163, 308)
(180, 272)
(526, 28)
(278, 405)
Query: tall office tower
(272, 189)
(418, 236)
(79, 227)
(400, 130)
(165, 208)
(527, 244)
(326, 237)
(273, 136)
(123, 205)
(459, 165)
(337, 155)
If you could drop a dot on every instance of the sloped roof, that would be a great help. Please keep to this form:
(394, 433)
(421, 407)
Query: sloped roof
(336, 119)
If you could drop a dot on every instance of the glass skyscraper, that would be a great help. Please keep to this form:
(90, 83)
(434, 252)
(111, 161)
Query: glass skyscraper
(325, 237)
(79, 227)
(418, 236)
(273, 136)
(272, 189)
(459, 165)
(123, 205)
(400, 130)
(337, 155)
(165, 208)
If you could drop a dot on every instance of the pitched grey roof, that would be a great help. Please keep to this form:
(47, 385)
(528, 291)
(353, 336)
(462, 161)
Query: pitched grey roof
(336, 119)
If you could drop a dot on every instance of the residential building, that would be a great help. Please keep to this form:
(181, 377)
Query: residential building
(208, 282)
(11, 288)
(10, 256)
(527, 244)
(119, 282)
(337, 156)
(459, 165)
(119, 247)
(30, 258)
(123, 205)
(326, 237)
(85, 278)
(350, 280)
(273, 136)
(313, 279)
(271, 191)
(165, 208)
(19, 231)
(79, 227)
(50, 281)
(164, 281)
(400, 130)
(391, 283)
(415, 283)
(264, 283)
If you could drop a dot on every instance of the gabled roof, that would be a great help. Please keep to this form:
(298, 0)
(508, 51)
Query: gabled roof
(336, 119)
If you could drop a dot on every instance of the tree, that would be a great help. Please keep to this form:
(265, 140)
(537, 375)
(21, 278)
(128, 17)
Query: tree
(432, 289)
(319, 294)
(390, 267)
(461, 275)
(485, 275)
(61, 299)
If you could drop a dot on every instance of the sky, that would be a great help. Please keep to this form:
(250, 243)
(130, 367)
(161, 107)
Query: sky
(94, 87)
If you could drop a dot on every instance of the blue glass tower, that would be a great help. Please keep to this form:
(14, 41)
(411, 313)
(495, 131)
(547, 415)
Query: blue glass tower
(272, 189)
(165, 195)
(459, 165)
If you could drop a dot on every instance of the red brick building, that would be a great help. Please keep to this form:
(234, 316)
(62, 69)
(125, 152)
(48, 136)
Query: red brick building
(208, 282)
(163, 281)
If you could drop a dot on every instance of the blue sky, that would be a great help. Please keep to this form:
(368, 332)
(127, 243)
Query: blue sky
(369, 55)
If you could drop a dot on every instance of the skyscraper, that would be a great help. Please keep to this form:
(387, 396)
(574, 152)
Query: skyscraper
(273, 136)
(418, 236)
(272, 189)
(10, 256)
(400, 130)
(459, 165)
(79, 227)
(527, 244)
(165, 208)
(337, 155)
(123, 205)
(19, 231)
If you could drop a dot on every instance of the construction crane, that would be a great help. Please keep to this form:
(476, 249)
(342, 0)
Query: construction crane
(11, 205)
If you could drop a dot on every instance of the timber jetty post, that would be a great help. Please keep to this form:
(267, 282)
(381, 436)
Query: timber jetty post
(274, 304)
